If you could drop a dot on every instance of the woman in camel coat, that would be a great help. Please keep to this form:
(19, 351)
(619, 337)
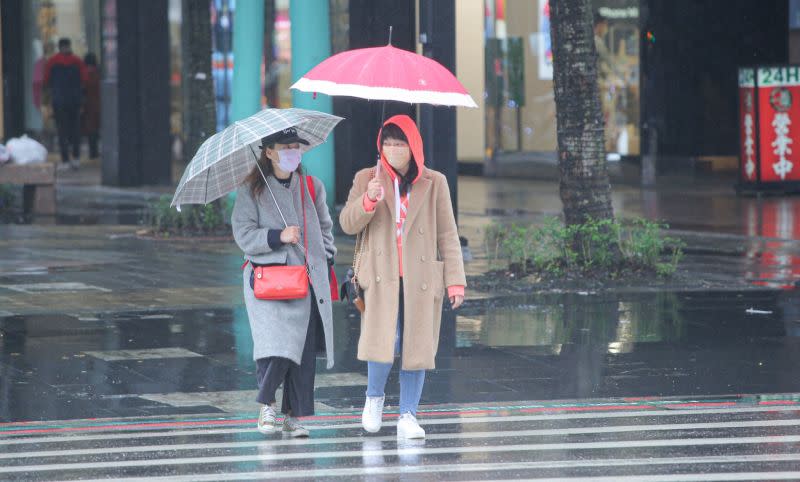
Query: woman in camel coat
(411, 256)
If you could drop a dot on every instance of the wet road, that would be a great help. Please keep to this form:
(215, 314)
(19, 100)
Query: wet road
(126, 357)
(545, 347)
(685, 203)
(634, 440)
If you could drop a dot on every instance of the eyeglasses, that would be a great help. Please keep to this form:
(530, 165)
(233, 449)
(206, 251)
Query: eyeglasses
(394, 144)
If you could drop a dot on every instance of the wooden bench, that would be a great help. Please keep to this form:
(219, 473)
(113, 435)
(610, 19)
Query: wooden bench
(38, 183)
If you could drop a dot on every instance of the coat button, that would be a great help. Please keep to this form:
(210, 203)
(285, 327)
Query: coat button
(321, 301)
(421, 231)
(424, 286)
(377, 279)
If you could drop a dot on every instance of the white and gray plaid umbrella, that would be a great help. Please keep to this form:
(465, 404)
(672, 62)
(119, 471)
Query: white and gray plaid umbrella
(225, 159)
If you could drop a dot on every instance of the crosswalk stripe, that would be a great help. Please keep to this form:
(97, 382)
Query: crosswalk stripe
(681, 442)
(434, 436)
(143, 432)
(476, 467)
(723, 476)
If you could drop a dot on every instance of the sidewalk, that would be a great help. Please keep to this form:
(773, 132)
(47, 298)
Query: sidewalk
(686, 202)
(756, 234)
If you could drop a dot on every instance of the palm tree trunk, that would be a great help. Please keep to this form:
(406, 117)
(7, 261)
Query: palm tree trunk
(584, 187)
(199, 109)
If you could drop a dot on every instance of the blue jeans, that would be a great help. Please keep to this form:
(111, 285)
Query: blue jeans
(411, 381)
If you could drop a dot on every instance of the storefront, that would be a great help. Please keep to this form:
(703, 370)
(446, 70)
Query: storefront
(44, 22)
(2, 97)
(520, 114)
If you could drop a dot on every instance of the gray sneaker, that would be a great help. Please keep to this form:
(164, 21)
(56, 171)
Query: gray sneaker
(293, 428)
(266, 420)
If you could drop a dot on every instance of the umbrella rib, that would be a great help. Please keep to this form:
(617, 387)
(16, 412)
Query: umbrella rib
(205, 195)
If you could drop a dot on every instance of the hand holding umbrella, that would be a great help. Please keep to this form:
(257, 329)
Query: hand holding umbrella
(375, 190)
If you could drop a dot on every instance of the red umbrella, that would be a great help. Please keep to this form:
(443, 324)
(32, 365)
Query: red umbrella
(386, 73)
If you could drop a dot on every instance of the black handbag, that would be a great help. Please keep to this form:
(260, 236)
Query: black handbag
(350, 288)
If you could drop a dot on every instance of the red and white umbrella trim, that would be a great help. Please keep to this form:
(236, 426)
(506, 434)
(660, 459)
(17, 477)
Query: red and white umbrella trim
(385, 93)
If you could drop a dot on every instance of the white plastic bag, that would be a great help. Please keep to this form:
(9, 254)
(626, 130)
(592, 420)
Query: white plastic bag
(5, 156)
(25, 150)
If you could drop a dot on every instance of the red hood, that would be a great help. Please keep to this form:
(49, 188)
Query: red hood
(409, 128)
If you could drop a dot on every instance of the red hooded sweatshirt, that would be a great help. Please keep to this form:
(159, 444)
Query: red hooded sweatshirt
(409, 128)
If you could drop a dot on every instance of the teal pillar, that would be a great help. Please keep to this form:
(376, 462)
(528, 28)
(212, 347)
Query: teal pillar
(248, 45)
(311, 44)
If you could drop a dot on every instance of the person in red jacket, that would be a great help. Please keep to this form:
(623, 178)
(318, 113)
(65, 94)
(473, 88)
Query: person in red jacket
(65, 76)
(90, 119)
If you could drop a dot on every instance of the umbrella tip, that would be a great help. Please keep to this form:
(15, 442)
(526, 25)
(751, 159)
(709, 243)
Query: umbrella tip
(390, 35)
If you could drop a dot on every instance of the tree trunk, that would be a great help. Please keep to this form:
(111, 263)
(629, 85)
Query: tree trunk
(199, 109)
(270, 60)
(584, 187)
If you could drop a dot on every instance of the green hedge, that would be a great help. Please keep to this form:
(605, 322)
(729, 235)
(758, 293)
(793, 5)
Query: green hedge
(606, 245)
(192, 220)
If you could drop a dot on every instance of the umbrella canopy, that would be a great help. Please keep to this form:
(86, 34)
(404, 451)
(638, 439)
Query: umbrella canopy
(386, 73)
(225, 159)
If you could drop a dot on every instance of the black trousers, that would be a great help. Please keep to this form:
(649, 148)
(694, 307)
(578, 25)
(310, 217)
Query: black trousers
(297, 380)
(94, 153)
(68, 124)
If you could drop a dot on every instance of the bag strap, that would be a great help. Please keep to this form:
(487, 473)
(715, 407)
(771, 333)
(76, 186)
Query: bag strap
(305, 231)
(303, 179)
(361, 240)
(303, 203)
(311, 189)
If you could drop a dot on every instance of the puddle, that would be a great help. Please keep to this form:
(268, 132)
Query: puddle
(621, 322)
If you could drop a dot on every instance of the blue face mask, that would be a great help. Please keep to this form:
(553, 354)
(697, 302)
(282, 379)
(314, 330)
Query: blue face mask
(289, 159)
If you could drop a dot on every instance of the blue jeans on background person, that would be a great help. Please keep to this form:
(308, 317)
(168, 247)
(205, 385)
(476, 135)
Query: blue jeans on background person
(411, 381)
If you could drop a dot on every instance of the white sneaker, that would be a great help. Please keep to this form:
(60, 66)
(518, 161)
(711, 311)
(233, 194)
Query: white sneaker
(293, 428)
(63, 166)
(75, 164)
(372, 416)
(266, 420)
(408, 428)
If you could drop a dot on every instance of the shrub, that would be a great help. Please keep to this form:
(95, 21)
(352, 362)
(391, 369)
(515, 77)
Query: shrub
(607, 245)
(192, 220)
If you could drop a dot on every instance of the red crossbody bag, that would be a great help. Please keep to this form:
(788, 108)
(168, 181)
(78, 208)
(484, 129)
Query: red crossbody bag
(284, 282)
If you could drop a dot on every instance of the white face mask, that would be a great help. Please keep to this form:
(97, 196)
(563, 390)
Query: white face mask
(289, 159)
(398, 156)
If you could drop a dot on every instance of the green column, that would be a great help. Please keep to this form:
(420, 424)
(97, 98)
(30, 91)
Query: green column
(248, 43)
(311, 44)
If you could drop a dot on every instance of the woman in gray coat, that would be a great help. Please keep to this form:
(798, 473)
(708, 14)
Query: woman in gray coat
(267, 224)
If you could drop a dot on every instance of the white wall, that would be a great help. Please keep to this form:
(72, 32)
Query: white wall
(471, 123)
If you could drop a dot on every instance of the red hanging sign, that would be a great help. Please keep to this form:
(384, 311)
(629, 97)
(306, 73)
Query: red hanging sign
(779, 123)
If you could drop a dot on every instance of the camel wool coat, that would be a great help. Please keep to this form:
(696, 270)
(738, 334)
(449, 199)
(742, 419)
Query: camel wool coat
(432, 261)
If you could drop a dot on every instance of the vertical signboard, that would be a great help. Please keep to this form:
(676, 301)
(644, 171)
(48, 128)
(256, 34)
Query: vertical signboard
(778, 123)
(545, 44)
(747, 124)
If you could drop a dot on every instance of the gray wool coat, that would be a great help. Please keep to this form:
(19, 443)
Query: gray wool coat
(279, 327)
